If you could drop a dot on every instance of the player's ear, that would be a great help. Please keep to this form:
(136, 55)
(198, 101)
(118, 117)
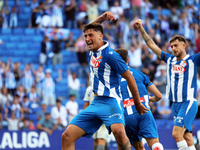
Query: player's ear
(127, 60)
(101, 35)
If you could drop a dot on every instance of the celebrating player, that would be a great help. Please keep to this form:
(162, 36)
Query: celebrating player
(105, 67)
(138, 126)
(181, 85)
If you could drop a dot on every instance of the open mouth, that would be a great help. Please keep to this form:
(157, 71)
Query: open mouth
(89, 43)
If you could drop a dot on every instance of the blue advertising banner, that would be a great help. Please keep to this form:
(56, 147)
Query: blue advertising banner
(40, 140)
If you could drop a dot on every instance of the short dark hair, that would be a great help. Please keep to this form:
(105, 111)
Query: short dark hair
(180, 38)
(123, 53)
(95, 26)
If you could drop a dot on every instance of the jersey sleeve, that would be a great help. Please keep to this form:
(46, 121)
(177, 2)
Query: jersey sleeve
(165, 56)
(147, 81)
(196, 59)
(116, 62)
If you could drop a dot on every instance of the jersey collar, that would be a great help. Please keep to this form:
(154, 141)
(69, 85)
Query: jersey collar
(104, 46)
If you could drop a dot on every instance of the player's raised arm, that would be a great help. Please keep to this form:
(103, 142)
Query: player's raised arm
(141, 109)
(150, 43)
(107, 16)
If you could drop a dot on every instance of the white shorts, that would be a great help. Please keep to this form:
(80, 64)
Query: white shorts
(57, 21)
(102, 133)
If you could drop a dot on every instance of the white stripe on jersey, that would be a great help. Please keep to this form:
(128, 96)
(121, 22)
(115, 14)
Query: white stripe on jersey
(190, 91)
(106, 75)
(168, 80)
(172, 81)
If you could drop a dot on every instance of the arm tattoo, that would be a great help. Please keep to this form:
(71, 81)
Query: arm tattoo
(127, 146)
(145, 36)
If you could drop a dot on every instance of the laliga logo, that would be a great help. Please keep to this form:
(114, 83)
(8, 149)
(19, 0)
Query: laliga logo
(95, 62)
(178, 69)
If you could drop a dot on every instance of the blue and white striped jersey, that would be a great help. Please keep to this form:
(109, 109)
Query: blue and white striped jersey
(105, 67)
(181, 77)
(143, 82)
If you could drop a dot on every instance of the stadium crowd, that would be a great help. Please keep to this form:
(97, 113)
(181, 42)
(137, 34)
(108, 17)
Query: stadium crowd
(25, 91)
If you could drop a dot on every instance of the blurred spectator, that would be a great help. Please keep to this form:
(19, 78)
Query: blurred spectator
(10, 82)
(16, 107)
(70, 13)
(2, 74)
(82, 55)
(117, 10)
(47, 124)
(92, 10)
(45, 51)
(83, 6)
(163, 111)
(198, 96)
(73, 83)
(197, 37)
(56, 43)
(37, 12)
(13, 17)
(27, 77)
(24, 125)
(126, 5)
(31, 125)
(59, 114)
(173, 19)
(1, 4)
(109, 34)
(13, 122)
(20, 92)
(146, 56)
(153, 108)
(103, 6)
(146, 7)
(17, 72)
(164, 29)
(136, 6)
(1, 119)
(59, 75)
(160, 82)
(155, 36)
(41, 113)
(33, 97)
(57, 16)
(5, 97)
(26, 106)
(72, 107)
(46, 18)
(39, 77)
(70, 42)
(48, 89)
(4, 12)
(134, 55)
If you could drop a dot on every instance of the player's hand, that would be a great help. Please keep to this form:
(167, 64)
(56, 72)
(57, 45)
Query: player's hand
(109, 16)
(138, 24)
(141, 109)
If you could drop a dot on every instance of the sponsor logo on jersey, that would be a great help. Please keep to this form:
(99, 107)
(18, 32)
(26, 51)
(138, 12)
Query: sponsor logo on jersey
(178, 69)
(95, 62)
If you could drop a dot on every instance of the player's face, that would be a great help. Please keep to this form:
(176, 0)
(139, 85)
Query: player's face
(178, 48)
(93, 39)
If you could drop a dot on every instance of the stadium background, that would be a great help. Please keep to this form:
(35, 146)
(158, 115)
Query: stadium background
(21, 42)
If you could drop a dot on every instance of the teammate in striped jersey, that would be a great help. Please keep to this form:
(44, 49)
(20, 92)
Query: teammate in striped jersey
(105, 67)
(181, 85)
(138, 126)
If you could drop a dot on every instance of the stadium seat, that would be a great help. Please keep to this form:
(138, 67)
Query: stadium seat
(26, 38)
(10, 45)
(14, 38)
(4, 38)
(18, 31)
(22, 46)
(37, 38)
(28, 31)
(165, 12)
(6, 31)
(10, 3)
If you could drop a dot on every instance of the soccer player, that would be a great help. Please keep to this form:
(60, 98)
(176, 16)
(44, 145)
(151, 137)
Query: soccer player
(101, 135)
(138, 126)
(181, 85)
(105, 67)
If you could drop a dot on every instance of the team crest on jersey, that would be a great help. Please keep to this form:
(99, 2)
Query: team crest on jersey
(183, 63)
(178, 68)
(95, 62)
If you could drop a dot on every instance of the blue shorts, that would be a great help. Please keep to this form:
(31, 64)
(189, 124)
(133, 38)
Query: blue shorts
(102, 110)
(138, 126)
(184, 113)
